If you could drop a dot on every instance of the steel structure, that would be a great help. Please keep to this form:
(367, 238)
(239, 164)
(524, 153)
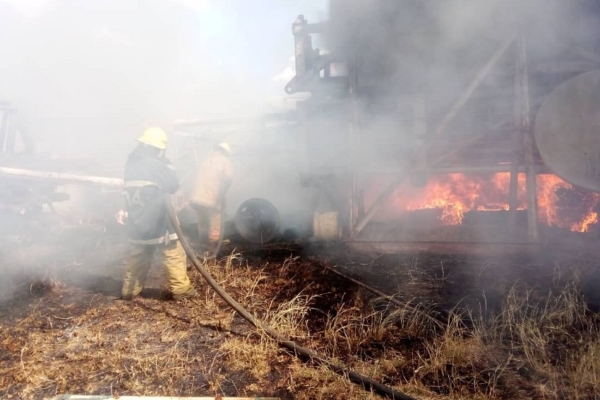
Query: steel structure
(479, 117)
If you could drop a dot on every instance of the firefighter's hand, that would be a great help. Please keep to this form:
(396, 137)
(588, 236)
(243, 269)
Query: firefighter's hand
(121, 217)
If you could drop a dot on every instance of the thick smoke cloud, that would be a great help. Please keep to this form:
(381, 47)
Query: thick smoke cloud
(87, 76)
(408, 51)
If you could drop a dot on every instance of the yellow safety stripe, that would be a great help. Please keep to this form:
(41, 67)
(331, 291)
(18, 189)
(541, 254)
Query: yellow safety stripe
(161, 240)
(132, 184)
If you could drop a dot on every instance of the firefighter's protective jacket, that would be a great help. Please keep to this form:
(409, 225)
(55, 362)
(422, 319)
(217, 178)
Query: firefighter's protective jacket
(148, 182)
(212, 181)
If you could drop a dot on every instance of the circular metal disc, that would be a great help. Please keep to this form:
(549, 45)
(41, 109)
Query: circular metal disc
(257, 220)
(567, 130)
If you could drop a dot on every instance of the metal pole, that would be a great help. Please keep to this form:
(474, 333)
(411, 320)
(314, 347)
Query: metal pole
(352, 135)
(4, 124)
(525, 126)
(516, 147)
(59, 177)
(303, 140)
(300, 45)
(11, 132)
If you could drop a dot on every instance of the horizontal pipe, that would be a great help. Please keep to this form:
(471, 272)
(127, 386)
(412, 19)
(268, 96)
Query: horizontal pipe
(482, 168)
(540, 170)
(59, 177)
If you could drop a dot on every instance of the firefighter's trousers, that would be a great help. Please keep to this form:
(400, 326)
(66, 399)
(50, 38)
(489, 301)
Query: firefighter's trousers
(139, 263)
(209, 220)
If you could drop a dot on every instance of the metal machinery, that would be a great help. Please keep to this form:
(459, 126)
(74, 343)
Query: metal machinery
(408, 91)
(19, 193)
(27, 187)
(264, 172)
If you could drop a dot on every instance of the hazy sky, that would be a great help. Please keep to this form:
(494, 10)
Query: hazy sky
(88, 75)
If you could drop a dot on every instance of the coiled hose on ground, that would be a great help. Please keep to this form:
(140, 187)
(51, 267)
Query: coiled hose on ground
(300, 351)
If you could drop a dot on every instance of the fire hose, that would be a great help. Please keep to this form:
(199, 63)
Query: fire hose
(298, 350)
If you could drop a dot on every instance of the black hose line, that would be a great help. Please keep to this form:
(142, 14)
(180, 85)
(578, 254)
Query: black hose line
(299, 351)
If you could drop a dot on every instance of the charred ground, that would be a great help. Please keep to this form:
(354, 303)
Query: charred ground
(477, 327)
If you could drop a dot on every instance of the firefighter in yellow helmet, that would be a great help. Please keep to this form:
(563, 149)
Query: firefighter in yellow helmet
(213, 179)
(149, 180)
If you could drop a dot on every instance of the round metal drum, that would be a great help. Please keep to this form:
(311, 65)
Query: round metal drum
(567, 130)
(257, 220)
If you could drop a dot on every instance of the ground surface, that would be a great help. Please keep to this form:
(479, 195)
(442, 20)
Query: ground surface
(469, 327)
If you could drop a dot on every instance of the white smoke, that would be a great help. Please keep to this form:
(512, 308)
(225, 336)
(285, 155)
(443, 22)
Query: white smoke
(28, 8)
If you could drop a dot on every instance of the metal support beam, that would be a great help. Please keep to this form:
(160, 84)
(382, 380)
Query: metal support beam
(516, 141)
(480, 169)
(302, 138)
(389, 190)
(444, 123)
(468, 92)
(352, 135)
(5, 117)
(302, 43)
(525, 131)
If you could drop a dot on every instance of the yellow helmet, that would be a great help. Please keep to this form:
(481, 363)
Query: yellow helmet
(225, 146)
(154, 137)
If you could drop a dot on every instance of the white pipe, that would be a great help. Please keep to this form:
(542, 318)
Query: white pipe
(60, 177)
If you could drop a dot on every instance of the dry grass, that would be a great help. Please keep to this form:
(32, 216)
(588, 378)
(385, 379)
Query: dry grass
(538, 345)
(535, 347)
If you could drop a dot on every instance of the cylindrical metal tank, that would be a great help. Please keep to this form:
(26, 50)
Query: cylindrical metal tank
(257, 221)
(567, 130)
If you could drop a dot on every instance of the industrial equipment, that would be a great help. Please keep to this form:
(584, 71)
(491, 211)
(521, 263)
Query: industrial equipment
(257, 221)
(424, 107)
(567, 130)
(19, 193)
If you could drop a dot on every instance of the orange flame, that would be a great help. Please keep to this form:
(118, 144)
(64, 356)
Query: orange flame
(559, 203)
(584, 226)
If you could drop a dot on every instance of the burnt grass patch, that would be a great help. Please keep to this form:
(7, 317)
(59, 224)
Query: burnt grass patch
(470, 328)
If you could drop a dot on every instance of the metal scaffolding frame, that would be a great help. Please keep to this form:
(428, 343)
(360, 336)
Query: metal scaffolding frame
(523, 157)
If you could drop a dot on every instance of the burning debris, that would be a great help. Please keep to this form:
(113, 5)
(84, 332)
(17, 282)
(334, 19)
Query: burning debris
(560, 204)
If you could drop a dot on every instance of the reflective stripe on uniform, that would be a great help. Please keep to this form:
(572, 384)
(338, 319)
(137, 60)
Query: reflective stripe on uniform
(159, 240)
(132, 184)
